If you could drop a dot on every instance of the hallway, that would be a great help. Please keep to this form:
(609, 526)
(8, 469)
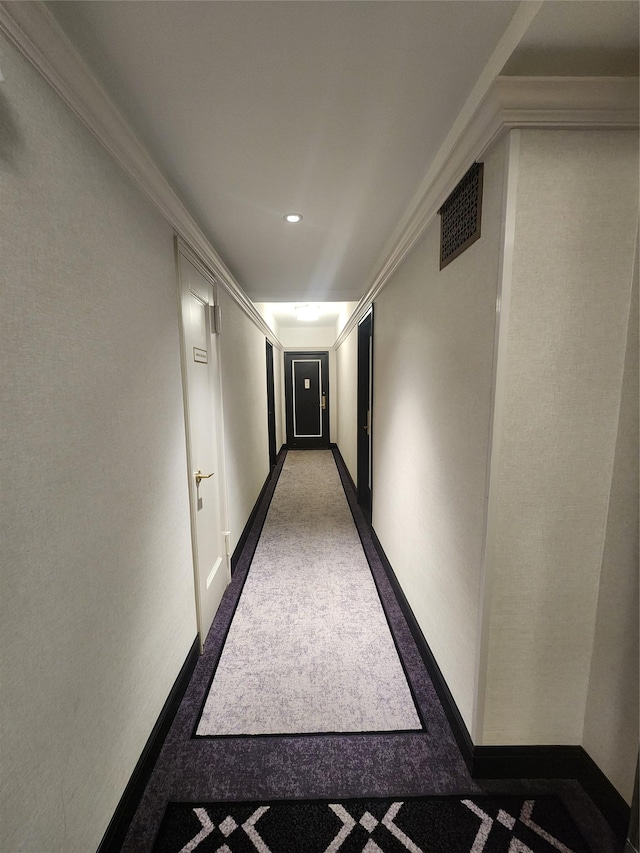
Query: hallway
(271, 765)
(495, 406)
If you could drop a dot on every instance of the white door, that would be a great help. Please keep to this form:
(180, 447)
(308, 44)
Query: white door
(203, 414)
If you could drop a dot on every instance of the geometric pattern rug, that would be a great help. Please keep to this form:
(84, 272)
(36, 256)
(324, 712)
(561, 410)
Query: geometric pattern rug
(453, 824)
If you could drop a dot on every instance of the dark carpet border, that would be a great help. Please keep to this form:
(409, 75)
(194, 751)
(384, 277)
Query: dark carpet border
(454, 717)
(297, 735)
(116, 832)
(350, 493)
(244, 536)
(412, 798)
(244, 557)
(506, 762)
(259, 513)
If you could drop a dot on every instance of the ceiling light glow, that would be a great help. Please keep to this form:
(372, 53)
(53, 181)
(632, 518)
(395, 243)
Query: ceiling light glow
(293, 217)
(307, 313)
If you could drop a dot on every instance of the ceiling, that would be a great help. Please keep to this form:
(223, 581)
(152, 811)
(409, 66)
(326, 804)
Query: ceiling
(334, 109)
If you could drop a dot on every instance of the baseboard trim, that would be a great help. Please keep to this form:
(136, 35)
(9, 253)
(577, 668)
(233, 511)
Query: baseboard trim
(513, 762)
(247, 528)
(604, 795)
(115, 835)
(336, 451)
(458, 727)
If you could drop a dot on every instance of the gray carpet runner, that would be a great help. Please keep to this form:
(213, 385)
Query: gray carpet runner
(309, 649)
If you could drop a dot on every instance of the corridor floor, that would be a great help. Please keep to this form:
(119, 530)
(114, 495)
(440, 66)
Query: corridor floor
(410, 754)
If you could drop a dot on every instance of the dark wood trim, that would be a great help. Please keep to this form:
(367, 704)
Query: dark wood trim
(514, 762)
(604, 795)
(632, 838)
(365, 403)
(458, 727)
(115, 835)
(247, 528)
(271, 407)
(525, 762)
(343, 469)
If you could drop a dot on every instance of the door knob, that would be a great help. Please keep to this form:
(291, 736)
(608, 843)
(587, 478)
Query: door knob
(200, 476)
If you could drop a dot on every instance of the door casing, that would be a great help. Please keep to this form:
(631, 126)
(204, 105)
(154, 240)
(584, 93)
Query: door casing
(271, 407)
(294, 366)
(202, 396)
(365, 413)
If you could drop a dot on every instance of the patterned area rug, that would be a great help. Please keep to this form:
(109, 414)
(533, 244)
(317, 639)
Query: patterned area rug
(309, 649)
(475, 824)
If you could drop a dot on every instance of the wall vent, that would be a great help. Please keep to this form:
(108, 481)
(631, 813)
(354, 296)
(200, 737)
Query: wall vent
(460, 216)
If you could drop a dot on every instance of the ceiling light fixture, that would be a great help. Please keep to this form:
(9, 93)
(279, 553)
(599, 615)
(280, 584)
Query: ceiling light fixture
(293, 217)
(307, 313)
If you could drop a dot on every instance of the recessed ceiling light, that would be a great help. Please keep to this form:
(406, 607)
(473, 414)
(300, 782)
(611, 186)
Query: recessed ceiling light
(293, 217)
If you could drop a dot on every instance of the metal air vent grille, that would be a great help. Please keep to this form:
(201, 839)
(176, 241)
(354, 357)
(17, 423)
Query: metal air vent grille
(460, 216)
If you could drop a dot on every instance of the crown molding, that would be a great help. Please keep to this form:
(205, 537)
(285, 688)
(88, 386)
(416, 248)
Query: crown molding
(35, 32)
(491, 111)
(510, 103)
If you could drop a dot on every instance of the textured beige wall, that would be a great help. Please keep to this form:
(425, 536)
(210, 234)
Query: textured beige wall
(611, 721)
(433, 365)
(309, 337)
(244, 392)
(97, 609)
(347, 397)
(576, 220)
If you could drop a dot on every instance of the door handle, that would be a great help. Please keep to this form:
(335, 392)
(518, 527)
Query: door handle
(323, 405)
(200, 476)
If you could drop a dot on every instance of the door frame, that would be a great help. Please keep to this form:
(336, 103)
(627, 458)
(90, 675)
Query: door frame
(289, 357)
(181, 248)
(365, 414)
(271, 406)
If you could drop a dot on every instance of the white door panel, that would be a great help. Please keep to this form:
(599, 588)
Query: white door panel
(204, 439)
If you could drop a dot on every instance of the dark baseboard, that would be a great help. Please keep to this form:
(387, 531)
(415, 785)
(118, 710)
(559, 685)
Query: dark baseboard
(247, 528)
(458, 727)
(603, 794)
(336, 452)
(117, 830)
(555, 762)
(525, 762)
(514, 762)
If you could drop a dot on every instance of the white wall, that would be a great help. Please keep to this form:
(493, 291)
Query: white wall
(433, 363)
(575, 229)
(97, 609)
(347, 402)
(265, 309)
(307, 337)
(244, 391)
(562, 582)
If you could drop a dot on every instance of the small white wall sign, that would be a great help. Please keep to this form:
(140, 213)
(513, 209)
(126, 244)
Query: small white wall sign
(200, 355)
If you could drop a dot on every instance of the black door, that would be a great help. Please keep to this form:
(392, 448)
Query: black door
(271, 408)
(306, 390)
(365, 400)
